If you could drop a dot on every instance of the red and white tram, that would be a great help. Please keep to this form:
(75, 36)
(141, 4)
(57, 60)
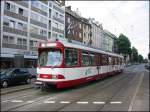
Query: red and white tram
(65, 64)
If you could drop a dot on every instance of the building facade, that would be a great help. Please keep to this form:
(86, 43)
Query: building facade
(87, 32)
(97, 33)
(109, 42)
(24, 24)
(73, 28)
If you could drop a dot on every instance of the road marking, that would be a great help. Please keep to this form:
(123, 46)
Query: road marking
(82, 102)
(49, 101)
(5, 100)
(98, 102)
(17, 101)
(116, 102)
(30, 101)
(64, 102)
(137, 89)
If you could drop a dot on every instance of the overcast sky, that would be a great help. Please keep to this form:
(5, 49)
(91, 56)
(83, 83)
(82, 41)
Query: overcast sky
(128, 17)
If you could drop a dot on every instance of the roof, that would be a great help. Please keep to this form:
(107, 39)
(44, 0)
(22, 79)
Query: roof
(73, 45)
(67, 44)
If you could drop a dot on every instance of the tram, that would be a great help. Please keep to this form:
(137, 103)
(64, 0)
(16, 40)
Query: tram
(64, 64)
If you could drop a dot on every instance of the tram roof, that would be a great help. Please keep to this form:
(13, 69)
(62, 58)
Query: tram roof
(79, 46)
(67, 44)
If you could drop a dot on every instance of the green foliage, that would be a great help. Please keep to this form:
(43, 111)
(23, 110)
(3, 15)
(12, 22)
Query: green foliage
(140, 59)
(134, 54)
(124, 45)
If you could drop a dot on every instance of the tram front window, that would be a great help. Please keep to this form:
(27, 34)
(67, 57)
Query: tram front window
(50, 58)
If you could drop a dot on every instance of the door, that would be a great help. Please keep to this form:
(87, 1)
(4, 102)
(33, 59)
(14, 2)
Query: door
(15, 76)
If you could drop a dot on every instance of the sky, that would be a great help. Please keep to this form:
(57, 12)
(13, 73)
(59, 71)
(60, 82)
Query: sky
(128, 17)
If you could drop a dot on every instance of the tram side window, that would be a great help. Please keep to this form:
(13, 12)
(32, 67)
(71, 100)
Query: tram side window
(85, 59)
(91, 59)
(71, 57)
(114, 60)
(104, 60)
(110, 59)
(96, 59)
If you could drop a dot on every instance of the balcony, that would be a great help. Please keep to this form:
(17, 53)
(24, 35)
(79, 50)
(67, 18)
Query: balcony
(38, 23)
(57, 30)
(58, 19)
(14, 31)
(58, 9)
(33, 48)
(38, 10)
(14, 46)
(44, 1)
(15, 15)
(38, 36)
(23, 3)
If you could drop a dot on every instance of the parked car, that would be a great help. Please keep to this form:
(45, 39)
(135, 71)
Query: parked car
(15, 75)
(147, 65)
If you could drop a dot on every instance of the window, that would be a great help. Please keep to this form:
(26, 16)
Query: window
(7, 6)
(12, 24)
(35, 3)
(49, 12)
(21, 41)
(54, 35)
(68, 20)
(34, 16)
(24, 42)
(20, 26)
(49, 35)
(80, 25)
(79, 35)
(13, 8)
(104, 59)
(34, 30)
(43, 20)
(20, 11)
(71, 57)
(44, 8)
(8, 39)
(6, 22)
(5, 39)
(91, 59)
(33, 43)
(85, 59)
(11, 40)
(56, 14)
(50, 58)
(43, 32)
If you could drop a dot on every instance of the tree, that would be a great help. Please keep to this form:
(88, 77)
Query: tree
(124, 45)
(134, 54)
(140, 59)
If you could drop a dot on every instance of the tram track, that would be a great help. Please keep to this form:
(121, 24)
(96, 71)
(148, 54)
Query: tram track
(61, 94)
(102, 89)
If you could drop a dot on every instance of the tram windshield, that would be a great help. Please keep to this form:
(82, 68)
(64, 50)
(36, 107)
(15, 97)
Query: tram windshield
(50, 58)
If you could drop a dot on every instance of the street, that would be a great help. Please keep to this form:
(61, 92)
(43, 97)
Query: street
(128, 91)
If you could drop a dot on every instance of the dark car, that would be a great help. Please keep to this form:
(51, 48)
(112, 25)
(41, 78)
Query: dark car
(15, 75)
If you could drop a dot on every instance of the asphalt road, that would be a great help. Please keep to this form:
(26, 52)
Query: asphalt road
(128, 91)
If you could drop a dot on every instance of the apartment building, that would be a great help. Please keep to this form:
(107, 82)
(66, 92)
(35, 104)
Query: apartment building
(109, 42)
(97, 33)
(87, 32)
(73, 26)
(24, 24)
